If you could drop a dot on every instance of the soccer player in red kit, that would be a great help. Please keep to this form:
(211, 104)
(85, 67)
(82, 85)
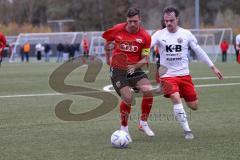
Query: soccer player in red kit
(130, 49)
(2, 45)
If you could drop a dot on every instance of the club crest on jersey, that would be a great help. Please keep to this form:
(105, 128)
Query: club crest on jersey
(138, 40)
(179, 40)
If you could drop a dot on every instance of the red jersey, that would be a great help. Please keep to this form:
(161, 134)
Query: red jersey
(85, 44)
(133, 45)
(224, 46)
(2, 42)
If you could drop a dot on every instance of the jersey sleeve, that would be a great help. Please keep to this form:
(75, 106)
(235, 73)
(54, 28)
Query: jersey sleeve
(237, 40)
(146, 47)
(109, 34)
(3, 41)
(201, 54)
(154, 38)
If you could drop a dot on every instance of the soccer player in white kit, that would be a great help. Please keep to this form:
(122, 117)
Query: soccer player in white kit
(238, 47)
(173, 43)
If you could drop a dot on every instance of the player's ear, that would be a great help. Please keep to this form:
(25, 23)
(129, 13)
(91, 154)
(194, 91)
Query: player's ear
(177, 18)
(140, 20)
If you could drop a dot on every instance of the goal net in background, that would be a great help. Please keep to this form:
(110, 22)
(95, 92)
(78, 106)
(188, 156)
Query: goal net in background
(208, 39)
(51, 38)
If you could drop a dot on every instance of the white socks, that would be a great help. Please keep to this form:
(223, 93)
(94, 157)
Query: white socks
(124, 128)
(180, 116)
(143, 123)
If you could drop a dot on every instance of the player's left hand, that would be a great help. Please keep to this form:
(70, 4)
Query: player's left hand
(217, 72)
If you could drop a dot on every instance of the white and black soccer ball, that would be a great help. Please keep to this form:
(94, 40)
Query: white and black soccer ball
(120, 139)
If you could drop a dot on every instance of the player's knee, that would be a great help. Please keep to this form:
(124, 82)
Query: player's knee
(127, 99)
(193, 105)
(146, 89)
(175, 98)
(147, 94)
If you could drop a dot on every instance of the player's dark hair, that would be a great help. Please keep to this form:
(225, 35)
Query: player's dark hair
(133, 12)
(163, 25)
(170, 10)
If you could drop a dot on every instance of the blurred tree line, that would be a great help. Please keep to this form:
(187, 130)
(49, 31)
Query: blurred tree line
(94, 15)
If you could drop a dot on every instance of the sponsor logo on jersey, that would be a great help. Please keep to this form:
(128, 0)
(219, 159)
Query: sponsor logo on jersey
(173, 48)
(128, 47)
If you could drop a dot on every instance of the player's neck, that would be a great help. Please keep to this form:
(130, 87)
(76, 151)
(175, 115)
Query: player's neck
(174, 30)
(131, 31)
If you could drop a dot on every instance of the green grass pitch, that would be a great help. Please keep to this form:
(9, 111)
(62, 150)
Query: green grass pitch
(30, 130)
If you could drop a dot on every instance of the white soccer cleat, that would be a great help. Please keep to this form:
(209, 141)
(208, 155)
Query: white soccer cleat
(143, 126)
(125, 129)
(188, 135)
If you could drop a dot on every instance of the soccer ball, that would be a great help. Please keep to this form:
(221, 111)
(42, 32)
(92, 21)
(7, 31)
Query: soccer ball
(120, 139)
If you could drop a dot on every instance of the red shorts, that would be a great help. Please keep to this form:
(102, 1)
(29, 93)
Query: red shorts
(181, 84)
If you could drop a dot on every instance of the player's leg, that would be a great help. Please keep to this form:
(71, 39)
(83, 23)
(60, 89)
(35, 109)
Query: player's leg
(121, 86)
(193, 104)
(27, 56)
(0, 60)
(188, 92)
(1, 57)
(222, 56)
(179, 112)
(125, 108)
(225, 56)
(145, 87)
(171, 87)
(180, 115)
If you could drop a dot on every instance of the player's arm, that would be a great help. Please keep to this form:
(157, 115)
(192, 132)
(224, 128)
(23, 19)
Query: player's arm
(109, 46)
(144, 54)
(237, 43)
(154, 39)
(108, 35)
(143, 61)
(3, 42)
(202, 56)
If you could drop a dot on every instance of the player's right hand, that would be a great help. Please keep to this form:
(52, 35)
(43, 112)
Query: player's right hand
(217, 72)
(130, 69)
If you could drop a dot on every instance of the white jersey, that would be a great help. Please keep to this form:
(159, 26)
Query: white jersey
(238, 41)
(39, 47)
(174, 50)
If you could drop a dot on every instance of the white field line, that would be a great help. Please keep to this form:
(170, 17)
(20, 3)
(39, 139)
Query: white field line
(31, 95)
(224, 77)
(197, 86)
(217, 85)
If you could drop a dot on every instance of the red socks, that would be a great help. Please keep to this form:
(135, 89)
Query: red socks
(124, 111)
(146, 107)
